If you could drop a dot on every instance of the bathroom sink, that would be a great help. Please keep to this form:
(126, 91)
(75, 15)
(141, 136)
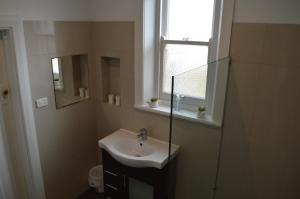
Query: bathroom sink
(133, 148)
(125, 147)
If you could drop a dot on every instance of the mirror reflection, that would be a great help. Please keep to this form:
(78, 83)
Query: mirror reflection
(70, 79)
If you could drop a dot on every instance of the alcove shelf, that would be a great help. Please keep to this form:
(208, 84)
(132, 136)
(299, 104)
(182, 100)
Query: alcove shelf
(110, 71)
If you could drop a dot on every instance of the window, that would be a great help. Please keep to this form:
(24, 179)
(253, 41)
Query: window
(186, 31)
(178, 38)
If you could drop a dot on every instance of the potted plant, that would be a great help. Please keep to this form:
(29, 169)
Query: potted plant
(153, 103)
(201, 112)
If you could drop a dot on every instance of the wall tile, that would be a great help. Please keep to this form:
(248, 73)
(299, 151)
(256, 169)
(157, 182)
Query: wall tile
(36, 43)
(261, 126)
(82, 36)
(273, 129)
(196, 171)
(293, 46)
(113, 35)
(63, 38)
(282, 45)
(247, 42)
(66, 137)
(275, 44)
(261, 129)
(239, 114)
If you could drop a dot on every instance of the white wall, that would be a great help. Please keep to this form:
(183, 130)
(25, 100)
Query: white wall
(261, 11)
(113, 10)
(47, 9)
(268, 11)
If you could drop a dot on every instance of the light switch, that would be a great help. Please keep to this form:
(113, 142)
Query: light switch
(41, 102)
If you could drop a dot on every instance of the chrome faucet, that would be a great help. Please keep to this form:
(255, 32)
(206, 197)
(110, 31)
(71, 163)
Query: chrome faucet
(142, 134)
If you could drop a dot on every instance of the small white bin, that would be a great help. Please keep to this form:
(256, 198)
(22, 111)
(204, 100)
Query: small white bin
(96, 178)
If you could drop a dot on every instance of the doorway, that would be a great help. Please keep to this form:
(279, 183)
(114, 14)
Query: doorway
(11, 123)
(20, 167)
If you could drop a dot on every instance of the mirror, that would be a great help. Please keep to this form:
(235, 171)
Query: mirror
(70, 79)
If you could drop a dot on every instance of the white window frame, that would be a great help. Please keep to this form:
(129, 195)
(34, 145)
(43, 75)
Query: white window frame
(148, 55)
(188, 102)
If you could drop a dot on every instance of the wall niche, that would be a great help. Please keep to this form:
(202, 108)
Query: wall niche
(110, 71)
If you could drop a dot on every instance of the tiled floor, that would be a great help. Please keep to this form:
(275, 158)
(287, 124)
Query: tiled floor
(91, 194)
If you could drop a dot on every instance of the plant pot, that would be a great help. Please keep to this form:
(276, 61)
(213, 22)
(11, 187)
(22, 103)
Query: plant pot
(153, 104)
(200, 114)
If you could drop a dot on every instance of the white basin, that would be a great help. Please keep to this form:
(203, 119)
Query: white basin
(126, 148)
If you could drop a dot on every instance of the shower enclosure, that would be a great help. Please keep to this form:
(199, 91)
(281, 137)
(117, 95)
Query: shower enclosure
(196, 120)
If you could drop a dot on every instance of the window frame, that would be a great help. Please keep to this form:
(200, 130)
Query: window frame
(147, 55)
(187, 102)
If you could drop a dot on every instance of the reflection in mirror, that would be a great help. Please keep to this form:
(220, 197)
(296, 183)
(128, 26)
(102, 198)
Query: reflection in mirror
(70, 79)
(57, 74)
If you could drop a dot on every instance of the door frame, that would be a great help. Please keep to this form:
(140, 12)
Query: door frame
(20, 84)
(7, 186)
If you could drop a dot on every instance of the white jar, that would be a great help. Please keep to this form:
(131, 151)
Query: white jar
(81, 92)
(111, 99)
(117, 100)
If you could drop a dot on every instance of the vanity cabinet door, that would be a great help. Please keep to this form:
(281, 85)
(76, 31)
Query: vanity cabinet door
(111, 193)
(115, 182)
(120, 180)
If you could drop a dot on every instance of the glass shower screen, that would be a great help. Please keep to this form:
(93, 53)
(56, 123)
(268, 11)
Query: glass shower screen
(195, 94)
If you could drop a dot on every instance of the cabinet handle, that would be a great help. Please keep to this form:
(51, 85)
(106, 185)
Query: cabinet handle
(111, 173)
(124, 181)
(112, 187)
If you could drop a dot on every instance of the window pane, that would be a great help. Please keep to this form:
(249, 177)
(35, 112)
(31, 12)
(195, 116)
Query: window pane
(190, 19)
(188, 64)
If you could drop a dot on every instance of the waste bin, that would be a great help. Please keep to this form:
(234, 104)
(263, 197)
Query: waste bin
(96, 178)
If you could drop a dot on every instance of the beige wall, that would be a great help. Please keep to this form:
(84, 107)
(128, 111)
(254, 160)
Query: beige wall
(199, 144)
(260, 154)
(66, 137)
(47, 9)
(267, 11)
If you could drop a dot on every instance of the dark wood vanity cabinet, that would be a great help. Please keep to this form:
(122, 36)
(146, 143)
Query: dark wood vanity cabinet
(115, 181)
(116, 178)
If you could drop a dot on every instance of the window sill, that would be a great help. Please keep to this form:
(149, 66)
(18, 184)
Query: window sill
(182, 114)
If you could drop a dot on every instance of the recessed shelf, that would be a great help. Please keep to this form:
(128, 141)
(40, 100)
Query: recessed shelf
(110, 71)
(80, 72)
